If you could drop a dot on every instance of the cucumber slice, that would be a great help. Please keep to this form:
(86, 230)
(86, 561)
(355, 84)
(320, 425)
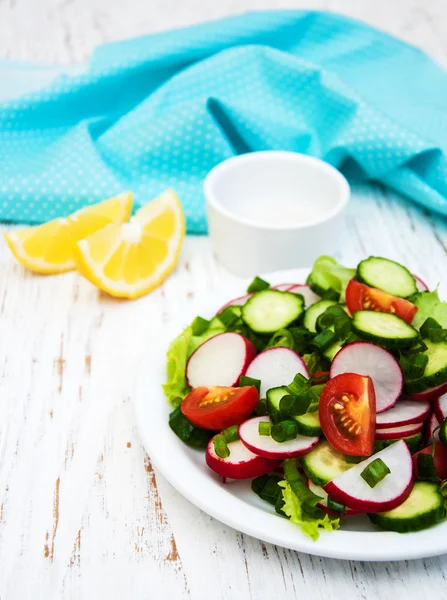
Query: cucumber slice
(423, 508)
(314, 311)
(384, 329)
(414, 443)
(324, 463)
(435, 373)
(270, 310)
(308, 424)
(387, 275)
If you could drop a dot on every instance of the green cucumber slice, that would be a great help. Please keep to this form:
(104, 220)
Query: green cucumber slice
(309, 424)
(314, 311)
(384, 329)
(270, 310)
(386, 275)
(435, 371)
(323, 463)
(423, 508)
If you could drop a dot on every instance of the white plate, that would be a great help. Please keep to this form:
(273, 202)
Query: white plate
(234, 503)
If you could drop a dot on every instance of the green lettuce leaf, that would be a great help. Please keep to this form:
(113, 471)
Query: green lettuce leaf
(429, 305)
(327, 273)
(294, 510)
(176, 387)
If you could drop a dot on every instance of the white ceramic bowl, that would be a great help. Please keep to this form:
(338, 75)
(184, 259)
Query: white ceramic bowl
(274, 210)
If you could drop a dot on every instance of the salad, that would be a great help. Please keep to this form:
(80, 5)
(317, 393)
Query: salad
(331, 396)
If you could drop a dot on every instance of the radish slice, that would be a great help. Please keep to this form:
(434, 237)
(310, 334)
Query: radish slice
(429, 394)
(221, 360)
(394, 433)
(319, 491)
(309, 296)
(275, 367)
(351, 489)
(283, 287)
(241, 464)
(433, 423)
(364, 358)
(405, 412)
(420, 284)
(266, 446)
(440, 407)
(236, 302)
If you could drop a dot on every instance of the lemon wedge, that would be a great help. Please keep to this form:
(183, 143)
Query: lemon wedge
(49, 248)
(131, 259)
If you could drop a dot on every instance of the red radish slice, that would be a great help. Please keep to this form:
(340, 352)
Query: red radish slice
(364, 358)
(221, 360)
(236, 302)
(420, 284)
(309, 296)
(440, 407)
(429, 394)
(433, 423)
(319, 491)
(283, 287)
(394, 433)
(351, 489)
(405, 412)
(275, 367)
(266, 446)
(241, 464)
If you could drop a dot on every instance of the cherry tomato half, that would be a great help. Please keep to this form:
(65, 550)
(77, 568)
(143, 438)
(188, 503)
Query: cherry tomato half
(439, 459)
(347, 413)
(361, 297)
(219, 407)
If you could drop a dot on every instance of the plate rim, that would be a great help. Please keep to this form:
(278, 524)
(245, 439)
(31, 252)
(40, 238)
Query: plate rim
(234, 511)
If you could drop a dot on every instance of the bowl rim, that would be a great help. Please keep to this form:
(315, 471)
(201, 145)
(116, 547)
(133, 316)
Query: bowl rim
(226, 165)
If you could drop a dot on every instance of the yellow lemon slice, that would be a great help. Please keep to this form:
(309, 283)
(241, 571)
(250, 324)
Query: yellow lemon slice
(49, 248)
(132, 259)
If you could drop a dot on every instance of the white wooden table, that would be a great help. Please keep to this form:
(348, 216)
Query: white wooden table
(82, 512)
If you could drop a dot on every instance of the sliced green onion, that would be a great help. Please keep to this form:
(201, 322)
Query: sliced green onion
(282, 337)
(199, 326)
(229, 316)
(262, 410)
(264, 428)
(335, 506)
(284, 431)
(293, 406)
(426, 467)
(298, 385)
(231, 434)
(297, 482)
(220, 446)
(413, 366)
(244, 380)
(257, 285)
(375, 472)
(323, 340)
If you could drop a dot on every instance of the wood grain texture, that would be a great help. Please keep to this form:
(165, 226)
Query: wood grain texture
(82, 512)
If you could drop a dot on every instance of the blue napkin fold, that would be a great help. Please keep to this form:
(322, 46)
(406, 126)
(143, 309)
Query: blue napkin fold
(160, 111)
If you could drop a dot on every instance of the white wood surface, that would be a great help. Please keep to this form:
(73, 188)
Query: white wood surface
(82, 513)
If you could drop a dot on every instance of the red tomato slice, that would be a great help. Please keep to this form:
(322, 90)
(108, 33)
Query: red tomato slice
(440, 459)
(321, 375)
(361, 297)
(348, 413)
(219, 407)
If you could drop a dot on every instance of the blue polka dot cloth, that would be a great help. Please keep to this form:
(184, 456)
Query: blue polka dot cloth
(162, 110)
